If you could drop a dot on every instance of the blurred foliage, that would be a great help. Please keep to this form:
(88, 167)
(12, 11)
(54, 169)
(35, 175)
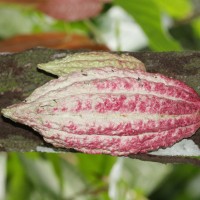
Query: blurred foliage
(167, 25)
(177, 9)
(183, 183)
(87, 177)
(147, 14)
(52, 176)
(18, 19)
(94, 177)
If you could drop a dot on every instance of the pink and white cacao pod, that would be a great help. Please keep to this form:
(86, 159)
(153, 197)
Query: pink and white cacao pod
(111, 110)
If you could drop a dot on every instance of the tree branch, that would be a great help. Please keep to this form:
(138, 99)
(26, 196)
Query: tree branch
(19, 76)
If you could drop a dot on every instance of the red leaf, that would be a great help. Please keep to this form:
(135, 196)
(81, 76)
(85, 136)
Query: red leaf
(49, 40)
(72, 10)
(29, 2)
(69, 10)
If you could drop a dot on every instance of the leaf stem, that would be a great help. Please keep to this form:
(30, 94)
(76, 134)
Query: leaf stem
(94, 30)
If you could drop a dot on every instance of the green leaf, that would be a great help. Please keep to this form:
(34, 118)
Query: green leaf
(147, 15)
(135, 178)
(56, 162)
(13, 20)
(182, 182)
(95, 167)
(17, 179)
(74, 183)
(52, 177)
(196, 27)
(178, 9)
(41, 174)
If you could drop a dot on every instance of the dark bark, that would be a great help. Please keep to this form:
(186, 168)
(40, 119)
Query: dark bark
(19, 77)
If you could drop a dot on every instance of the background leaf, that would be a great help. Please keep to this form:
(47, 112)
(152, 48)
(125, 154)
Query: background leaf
(46, 183)
(182, 183)
(71, 10)
(17, 179)
(135, 178)
(148, 16)
(18, 19)
(95, 168)
(178, 9)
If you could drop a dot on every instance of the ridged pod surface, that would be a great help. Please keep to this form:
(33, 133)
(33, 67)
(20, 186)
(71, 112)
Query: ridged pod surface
(95, 59)
(111, 110)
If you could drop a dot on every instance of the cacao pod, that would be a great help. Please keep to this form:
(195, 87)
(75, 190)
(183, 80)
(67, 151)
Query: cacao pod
(111, 110)
(78, 61)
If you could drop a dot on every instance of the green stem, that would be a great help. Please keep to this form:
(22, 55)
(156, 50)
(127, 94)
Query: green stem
(94, 30)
